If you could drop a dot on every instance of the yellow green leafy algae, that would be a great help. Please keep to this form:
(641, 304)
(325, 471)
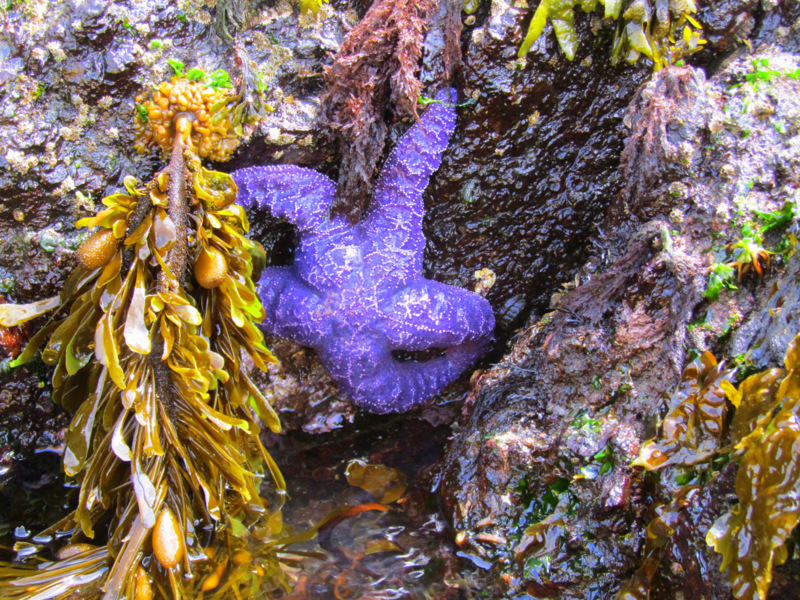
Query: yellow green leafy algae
(148, 343)
(311, 6)
(691, 432)
(661, 30)
(763, 437)
(693, 426)
(751, 535)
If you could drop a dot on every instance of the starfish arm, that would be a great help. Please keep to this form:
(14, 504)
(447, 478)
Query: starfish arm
(428, 314)
(298, 195)
(398, 195)
(293, 310)
(381, 384)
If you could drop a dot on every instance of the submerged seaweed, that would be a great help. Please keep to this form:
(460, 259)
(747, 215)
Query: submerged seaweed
(161, 312)
(657, 535)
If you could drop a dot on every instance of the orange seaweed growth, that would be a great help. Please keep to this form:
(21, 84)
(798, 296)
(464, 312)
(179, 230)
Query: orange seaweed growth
(748, 253)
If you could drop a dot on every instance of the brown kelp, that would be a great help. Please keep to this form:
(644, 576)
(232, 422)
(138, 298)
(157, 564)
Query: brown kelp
(766, 436)
(692, 429)
(663, 31)
(696, 438)
(148, 343)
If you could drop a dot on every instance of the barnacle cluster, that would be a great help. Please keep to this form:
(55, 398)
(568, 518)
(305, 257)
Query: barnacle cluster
(662, 30)
(148, 341)
(213, 135)
(697, 436)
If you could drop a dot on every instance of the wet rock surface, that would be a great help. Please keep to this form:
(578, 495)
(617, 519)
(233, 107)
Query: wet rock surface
(530, 484)
(532, 165)
(581, 194)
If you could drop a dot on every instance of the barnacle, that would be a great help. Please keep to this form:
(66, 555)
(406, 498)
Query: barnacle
(644, 28)
(213, 134)
(163, 439)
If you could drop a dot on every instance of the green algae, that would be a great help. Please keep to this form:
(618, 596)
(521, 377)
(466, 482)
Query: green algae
(311, 6)
(747, 253)
(470, 6)
(561, 15)
(549, 515)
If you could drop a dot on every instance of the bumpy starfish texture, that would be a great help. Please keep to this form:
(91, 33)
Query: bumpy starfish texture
(356, 293)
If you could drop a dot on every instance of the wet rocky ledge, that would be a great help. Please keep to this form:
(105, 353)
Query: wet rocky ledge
(599, 196)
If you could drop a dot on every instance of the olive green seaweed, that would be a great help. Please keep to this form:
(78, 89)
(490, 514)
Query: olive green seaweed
(751, 535)
(763, 437)
(148, 350)
(692, 429)
(662, 31)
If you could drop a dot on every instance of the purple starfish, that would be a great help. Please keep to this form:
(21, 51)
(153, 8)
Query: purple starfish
(356, 293)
